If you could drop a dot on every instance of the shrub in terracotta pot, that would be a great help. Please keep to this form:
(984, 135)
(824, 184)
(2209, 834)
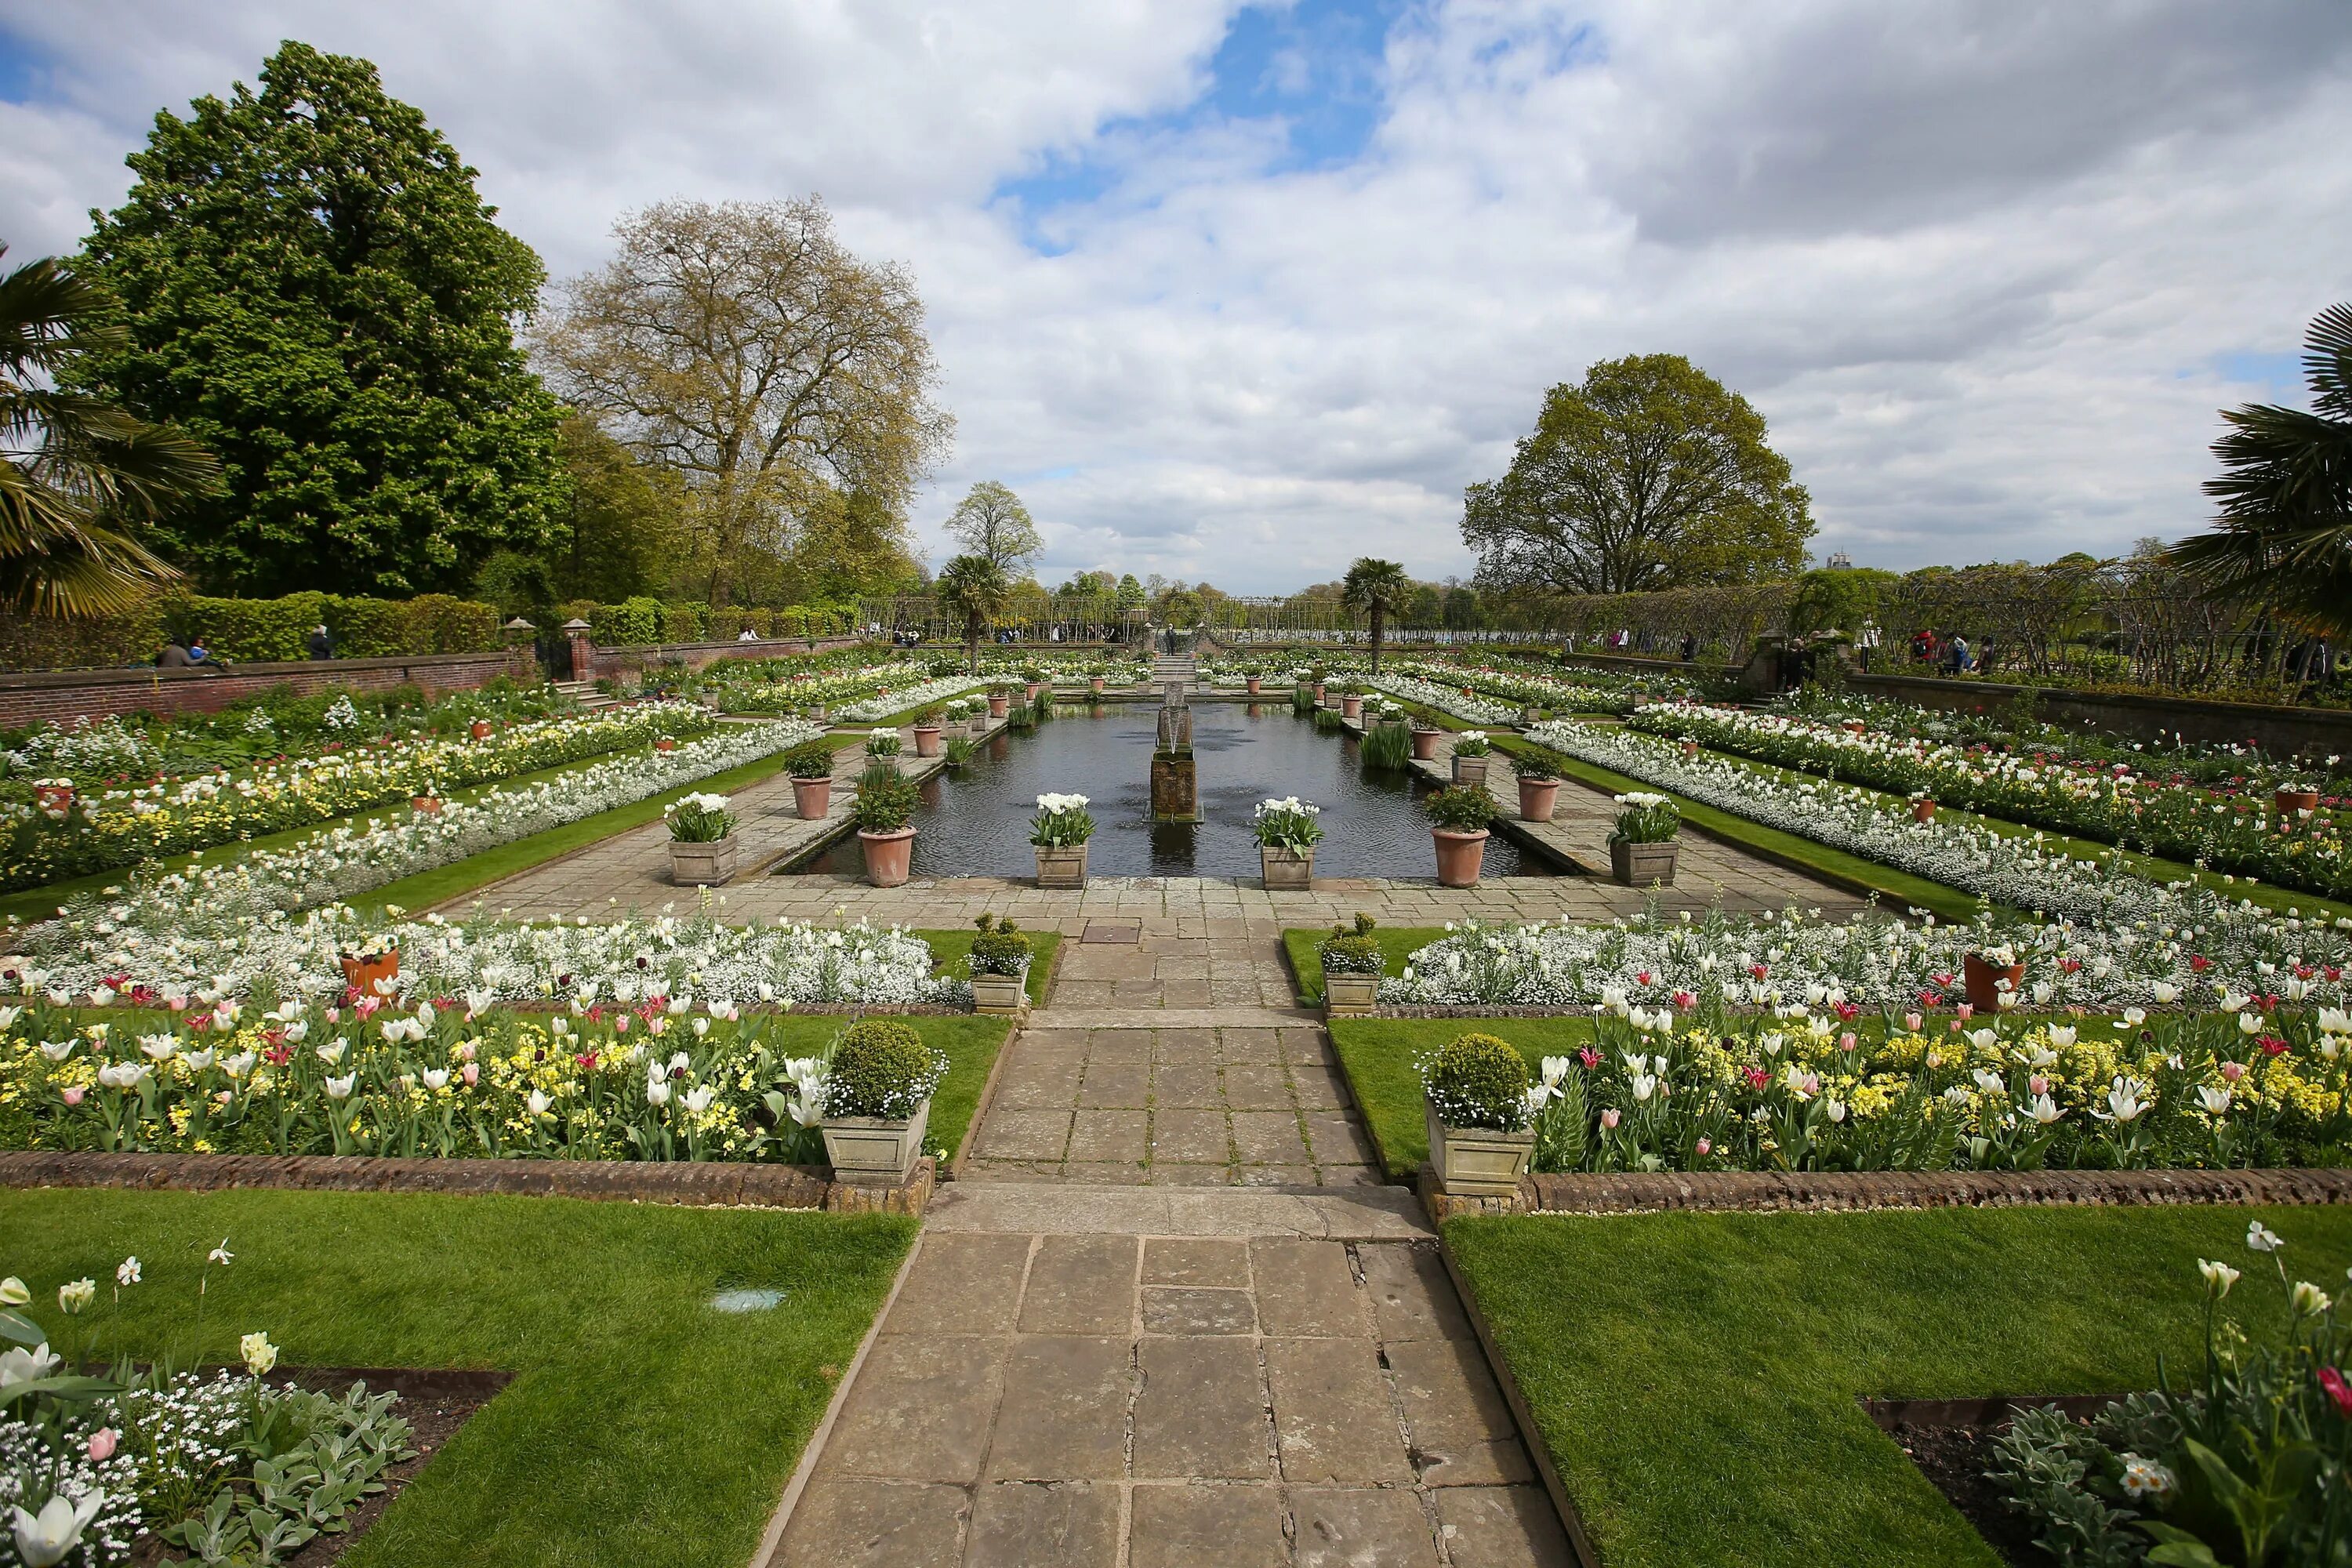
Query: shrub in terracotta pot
(1424, 741)
(1059, 832)
(1471, 749)
(1538, 775)
(810, 763)
(1286, 832)
(1474, 1098)
(1351, 704)
(927, 731)
(878, 1101)
(702, 843)
(1000, 701)
(1253, 680)
(1458, 819)
(1642, 846)
(886, 822)
(1993, 977)
(1351, 962)
(1000, 967)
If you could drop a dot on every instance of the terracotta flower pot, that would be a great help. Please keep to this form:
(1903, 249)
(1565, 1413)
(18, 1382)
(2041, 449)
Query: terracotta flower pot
(2290, 803)
(426, 805)
(813, 798)
(361, 973)
(1425, 744)
(1030, 695)
(664, 744)
(1253, 683)
(1351, 707)
(1062, 867)
(1690, 751)
(480, 730)
(998, 704)
(1536, 799)
(54, 797)
(1318, 692)
(926, 739)
(1982, 983)
(1923, 811)
(1286, 869)
(886, 855)
(1459, 856)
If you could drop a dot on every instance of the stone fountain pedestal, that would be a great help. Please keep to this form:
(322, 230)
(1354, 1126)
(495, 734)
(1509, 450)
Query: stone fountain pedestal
(1175, 788)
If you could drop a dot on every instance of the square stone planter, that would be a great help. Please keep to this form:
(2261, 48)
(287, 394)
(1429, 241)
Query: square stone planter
(1001, 996)
(1477, 1160)
(1471, 771)
(702, 865)
(1350, 996)
(1062, 867)
(868, 1151)
(1639, 864)
(1285, 870)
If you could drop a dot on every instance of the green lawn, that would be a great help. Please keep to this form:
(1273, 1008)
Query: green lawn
(642, 1427)
(952, 950)
(1300, 945)
(971, 1041)
(1696, 1376)
(1378, 1055)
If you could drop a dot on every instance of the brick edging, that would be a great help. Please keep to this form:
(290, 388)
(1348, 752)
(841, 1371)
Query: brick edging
(703, 1183)
(1761, 1192)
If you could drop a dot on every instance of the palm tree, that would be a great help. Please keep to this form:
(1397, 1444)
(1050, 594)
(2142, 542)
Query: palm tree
(973, 588)
(1381, 589)
(79, 470)
(2284, 534)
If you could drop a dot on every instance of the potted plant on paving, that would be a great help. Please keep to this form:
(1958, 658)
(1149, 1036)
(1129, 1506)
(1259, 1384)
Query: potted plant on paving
(878, 1101)
(1352, 968)
(1253, 678)
(927, 731)
(1352, 702)
(1458, 816)
(1000, 967)
(810, 763)
(1470, 750)
(885, 826)
(1094, 673)
(1425, 741)
(701, 840)
(1000, 698)
(1474, 1097)
(882, 744)
(1642, 848)
(1060, 831)
(375, 959)
(1286, 835)
(1539, 785)
(1316, 675)
(1993, 976)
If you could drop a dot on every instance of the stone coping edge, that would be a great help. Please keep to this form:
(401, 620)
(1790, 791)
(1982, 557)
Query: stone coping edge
(1822, 1192)
(704, 1184)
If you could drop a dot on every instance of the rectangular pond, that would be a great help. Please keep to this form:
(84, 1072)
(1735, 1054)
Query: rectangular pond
(975, 822)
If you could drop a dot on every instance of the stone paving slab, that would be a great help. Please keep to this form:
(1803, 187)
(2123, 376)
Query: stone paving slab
(1057, 1208)
(1128, 1395)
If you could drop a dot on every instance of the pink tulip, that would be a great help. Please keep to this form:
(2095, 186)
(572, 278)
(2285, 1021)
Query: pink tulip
(72, 1093)
(472, 1074)
(1610, 1118)
(1846, 1041)
(1912, 1021)
(1704, 1145)
(102, 1443)
(1965, 1009)
(621, 1025)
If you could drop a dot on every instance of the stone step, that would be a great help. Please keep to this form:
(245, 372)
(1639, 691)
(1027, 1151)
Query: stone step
(1068, 1208)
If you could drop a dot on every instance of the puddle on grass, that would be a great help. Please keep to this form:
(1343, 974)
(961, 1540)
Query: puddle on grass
(746, 1299)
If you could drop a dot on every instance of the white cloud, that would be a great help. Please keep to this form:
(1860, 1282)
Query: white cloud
(1976, 262)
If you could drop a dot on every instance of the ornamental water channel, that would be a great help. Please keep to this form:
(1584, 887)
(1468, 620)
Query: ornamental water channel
(974, 821)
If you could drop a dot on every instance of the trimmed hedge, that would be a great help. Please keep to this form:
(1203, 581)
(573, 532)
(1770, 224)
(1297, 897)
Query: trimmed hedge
(249, 631)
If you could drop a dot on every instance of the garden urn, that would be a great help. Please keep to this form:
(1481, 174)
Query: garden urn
(1062, 867)
(816, 713)
(926, 739)
(1459, 856)
(1530, 714)
(1285, 870)
(887, 856)
(707, 865)
(813, 798)
(361, 972)
(1923, 811)
(1425, 744)
(1537, 797)
(1639, 864)
(998, 702)
(1477, 1161)
(1350, 996)
(1001, 996)
(1471, 771)
(1981, 981)
(1690, 751)
(870, 1151)
(2292, 804)
(480, 730)
(57, 799)
(1852, 726)
(979, 725)
(1253, 683)
(1351, 706)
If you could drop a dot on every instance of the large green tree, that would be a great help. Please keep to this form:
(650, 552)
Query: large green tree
(616, 529)
(1649, 473)
(313, 289)
(2284, 533)
(990, 521)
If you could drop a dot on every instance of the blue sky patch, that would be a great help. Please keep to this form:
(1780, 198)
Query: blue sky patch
(2280, 375)
(24, 70)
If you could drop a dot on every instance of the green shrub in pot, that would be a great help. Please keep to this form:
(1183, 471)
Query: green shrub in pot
(810, 760)
(1459, 809)
(886, 799)
(882, 1069)
(1000, 948)
(1477, 1081)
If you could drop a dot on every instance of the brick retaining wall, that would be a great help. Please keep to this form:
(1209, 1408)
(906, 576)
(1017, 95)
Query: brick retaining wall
(700, 1184)
(2282, 732)
(27, 697)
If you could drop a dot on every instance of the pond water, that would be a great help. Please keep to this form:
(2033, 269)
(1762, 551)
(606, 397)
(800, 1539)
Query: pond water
(975, 822)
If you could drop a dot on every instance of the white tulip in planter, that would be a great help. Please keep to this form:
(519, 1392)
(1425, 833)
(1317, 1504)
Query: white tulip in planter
(1001, 996)
(703, 864)
(870, 1151)
(1477, 1162)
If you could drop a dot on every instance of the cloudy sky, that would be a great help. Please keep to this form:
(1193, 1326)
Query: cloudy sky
(1241, 291)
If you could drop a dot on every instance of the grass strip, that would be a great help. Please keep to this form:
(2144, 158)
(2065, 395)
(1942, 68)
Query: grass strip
(642, 1426)
(1695, 1377)
(951, 950)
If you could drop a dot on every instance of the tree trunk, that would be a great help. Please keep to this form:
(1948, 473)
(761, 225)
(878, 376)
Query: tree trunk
(1377, 627)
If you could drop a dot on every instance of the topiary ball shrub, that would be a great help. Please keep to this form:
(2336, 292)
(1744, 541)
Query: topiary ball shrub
(999, 948)
(881, 1069)
(1477, 1081)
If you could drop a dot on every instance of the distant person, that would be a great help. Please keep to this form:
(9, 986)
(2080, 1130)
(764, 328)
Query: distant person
(173, 657)
(322, 642)
(198, 653)
(747, 634)
(1690, 647)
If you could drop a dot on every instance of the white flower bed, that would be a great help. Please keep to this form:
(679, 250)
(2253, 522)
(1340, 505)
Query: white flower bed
(1445, 700)
(483, 960)
(349, 860)
(898, 700)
